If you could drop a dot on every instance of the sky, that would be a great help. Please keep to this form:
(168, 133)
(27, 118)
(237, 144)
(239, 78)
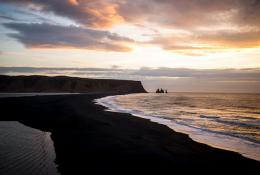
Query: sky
(182, 45)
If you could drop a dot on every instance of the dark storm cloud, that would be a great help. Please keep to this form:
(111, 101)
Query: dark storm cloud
(52, 36)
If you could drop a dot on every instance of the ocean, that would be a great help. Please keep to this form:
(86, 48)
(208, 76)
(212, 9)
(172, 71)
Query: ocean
(221, 120)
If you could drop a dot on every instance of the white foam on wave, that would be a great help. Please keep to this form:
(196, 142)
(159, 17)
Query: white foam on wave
(246, 148)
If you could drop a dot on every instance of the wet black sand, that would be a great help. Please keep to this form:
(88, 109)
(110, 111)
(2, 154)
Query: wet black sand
(89, 140)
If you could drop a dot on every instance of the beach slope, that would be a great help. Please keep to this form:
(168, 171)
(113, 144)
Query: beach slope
(90, 140)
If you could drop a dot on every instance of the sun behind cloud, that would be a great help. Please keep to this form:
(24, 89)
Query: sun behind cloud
(181, 30)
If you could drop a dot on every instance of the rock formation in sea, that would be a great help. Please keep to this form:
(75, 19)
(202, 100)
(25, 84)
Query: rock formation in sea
(161, 91)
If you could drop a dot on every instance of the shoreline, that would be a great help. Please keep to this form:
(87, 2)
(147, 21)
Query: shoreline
(207, 138)
(23, 145)
(87, 138)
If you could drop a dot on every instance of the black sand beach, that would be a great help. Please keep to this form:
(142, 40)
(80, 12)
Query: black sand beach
(89, 140)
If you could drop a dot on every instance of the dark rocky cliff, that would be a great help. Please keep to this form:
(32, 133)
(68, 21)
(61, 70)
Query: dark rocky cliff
(67, 84)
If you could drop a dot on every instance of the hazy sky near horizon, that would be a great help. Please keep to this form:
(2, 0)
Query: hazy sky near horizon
(173, 79)
(134, 34)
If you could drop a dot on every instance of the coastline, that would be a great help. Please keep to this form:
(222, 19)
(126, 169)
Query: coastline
(87, 138)
(224, 142)
(25, 150)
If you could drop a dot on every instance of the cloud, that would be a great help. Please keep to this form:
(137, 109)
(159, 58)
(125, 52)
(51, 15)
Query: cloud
(230, 39)
(174, 79)
(195, 13)
(207, 41)
(197, 27)
(216, 74)
(53, 36)
(171, 13)
(7, 18)
(203, 26)
(201, 80)
(98, 13)
(206, 25)
(249, 74)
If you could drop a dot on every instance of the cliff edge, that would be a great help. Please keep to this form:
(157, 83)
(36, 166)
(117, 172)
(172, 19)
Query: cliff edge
(67, 84)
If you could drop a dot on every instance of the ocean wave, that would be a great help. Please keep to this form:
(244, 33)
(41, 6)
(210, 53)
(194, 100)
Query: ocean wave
(239, 141)
(208, 116)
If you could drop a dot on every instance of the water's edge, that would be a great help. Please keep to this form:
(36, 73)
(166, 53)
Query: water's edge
(31, 94)
(210, 139)
(21, 144)
(26, 150)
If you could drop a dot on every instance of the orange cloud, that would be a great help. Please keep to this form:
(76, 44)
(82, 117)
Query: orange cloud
(168, 13)
(73, 2)
(187, 14)
(104, 15)
(201, 43)
(227, 39)
(89, 13)
(207, 22)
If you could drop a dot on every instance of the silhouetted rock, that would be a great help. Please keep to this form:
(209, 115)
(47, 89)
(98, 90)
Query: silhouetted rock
(67, 84)
(161, 91)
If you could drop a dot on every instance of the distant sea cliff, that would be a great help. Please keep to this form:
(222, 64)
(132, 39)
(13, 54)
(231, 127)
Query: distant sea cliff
(37, 83)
